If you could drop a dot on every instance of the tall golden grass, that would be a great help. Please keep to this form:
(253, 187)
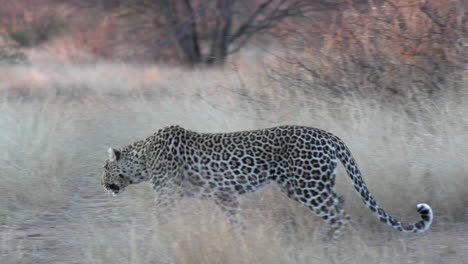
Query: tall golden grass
(57, 121)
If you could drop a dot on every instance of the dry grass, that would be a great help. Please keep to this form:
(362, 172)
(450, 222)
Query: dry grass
(56, 123)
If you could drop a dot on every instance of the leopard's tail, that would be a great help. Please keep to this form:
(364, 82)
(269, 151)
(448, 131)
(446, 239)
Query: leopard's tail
(344, 155)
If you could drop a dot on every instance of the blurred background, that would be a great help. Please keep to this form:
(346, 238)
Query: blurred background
(389, 77)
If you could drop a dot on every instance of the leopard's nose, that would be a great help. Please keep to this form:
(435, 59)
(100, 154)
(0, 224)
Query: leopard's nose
(114, 187)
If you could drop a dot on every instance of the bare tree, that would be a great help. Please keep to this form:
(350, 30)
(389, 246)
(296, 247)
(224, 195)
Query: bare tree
(207, 31)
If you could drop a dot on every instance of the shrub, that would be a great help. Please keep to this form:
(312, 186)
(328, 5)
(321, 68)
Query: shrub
(395, 51)
(21, 37)
(39, 31)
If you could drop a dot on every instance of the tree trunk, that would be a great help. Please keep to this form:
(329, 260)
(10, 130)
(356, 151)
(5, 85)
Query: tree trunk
(185, 33)
(191, 42)
(221, 37)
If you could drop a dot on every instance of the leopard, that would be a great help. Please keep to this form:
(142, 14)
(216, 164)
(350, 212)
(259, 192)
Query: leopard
(222, 166)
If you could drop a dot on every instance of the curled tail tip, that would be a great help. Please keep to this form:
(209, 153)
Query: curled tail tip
(424, 209)
(423, 205)
(426, 214)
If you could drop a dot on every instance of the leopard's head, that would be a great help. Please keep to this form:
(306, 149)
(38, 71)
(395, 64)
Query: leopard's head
(122, 168)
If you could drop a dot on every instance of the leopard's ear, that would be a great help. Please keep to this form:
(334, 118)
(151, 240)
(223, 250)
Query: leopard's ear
(114, 154)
